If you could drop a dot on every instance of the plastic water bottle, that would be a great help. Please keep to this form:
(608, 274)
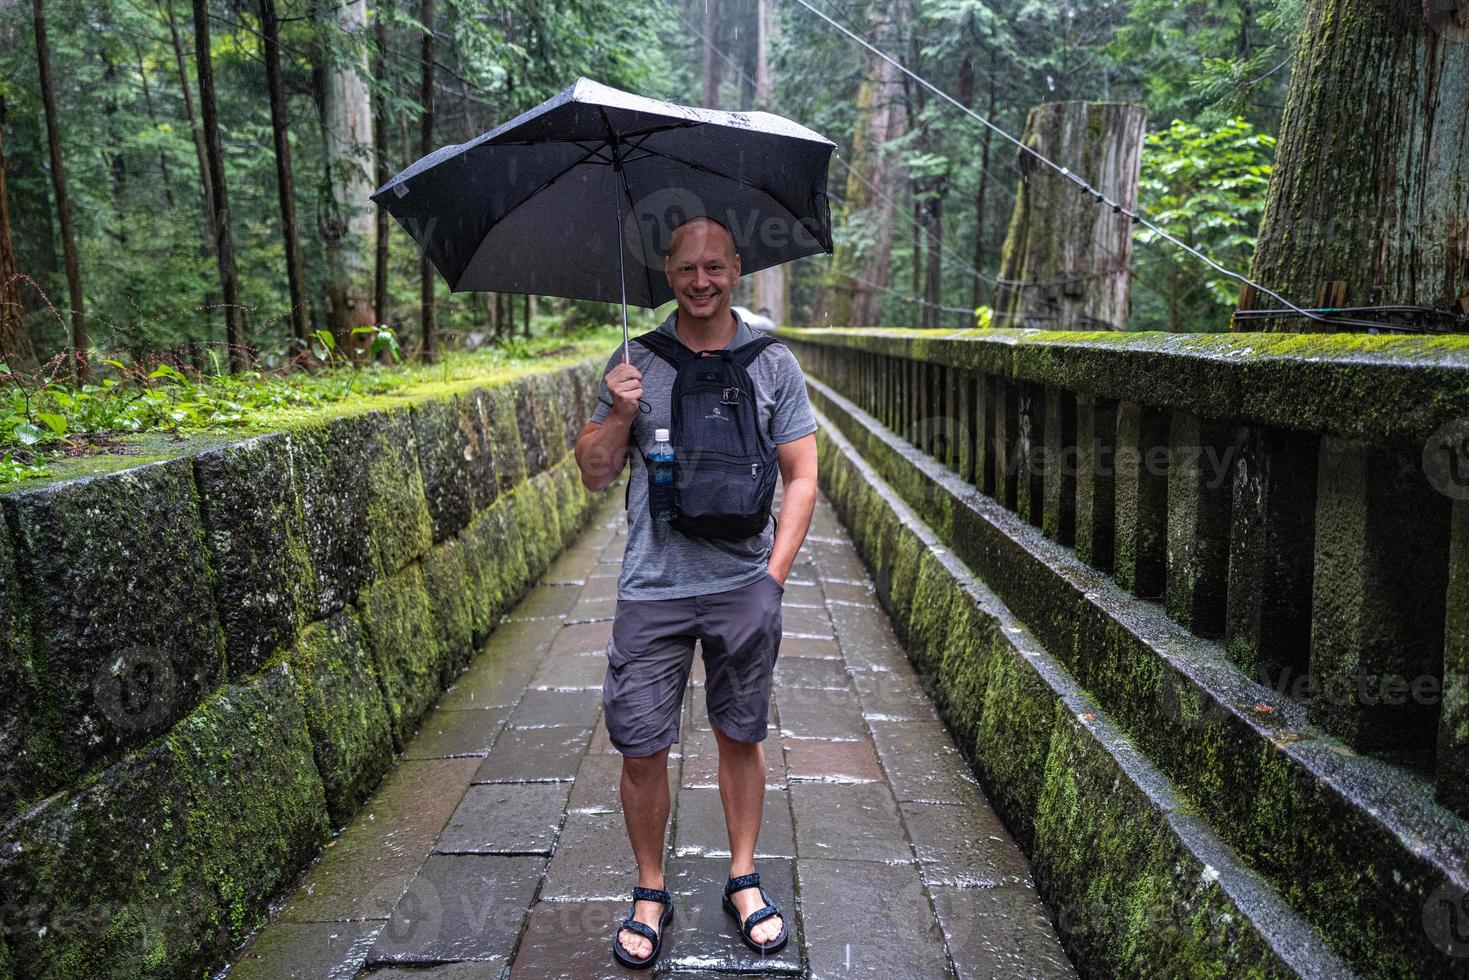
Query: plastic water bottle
(660, 463)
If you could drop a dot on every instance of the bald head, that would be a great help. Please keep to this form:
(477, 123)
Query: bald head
(701, 234)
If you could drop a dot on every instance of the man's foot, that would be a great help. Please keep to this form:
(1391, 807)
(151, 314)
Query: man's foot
(757, 914)
(747, 900)
(648, 913)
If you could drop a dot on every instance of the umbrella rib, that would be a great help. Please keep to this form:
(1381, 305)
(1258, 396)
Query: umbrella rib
(621, 171)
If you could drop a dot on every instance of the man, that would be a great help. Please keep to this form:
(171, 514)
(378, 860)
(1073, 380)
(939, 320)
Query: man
(674, 588)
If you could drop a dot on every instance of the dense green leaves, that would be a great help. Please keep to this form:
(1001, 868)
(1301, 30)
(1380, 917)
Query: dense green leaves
(1207, 188)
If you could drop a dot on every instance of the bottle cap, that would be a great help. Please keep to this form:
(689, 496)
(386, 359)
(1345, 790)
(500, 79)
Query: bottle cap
(660, 435)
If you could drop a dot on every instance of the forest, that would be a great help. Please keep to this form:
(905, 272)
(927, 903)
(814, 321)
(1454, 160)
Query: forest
(921, 201)
(185, 182)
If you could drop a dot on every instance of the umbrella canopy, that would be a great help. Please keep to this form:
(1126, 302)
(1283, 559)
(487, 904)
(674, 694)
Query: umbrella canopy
(579, 196)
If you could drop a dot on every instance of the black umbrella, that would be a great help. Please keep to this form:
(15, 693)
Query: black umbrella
(579, 196)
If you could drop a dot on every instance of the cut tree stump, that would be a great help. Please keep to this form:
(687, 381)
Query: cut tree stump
(1067, 257)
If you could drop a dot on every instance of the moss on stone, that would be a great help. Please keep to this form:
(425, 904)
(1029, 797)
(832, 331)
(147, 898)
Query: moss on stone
(159, 863)
(446, 447)
(118, 593)
(167, 860)
(255, 525)
(351, 735)
(1358, 385)
(257, 812)
(407, 647)
(504, 435)
(446, 577)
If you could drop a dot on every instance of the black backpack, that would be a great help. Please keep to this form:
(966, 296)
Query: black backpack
(725, 465)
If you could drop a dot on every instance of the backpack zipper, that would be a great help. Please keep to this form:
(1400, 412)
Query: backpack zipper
(753, 468)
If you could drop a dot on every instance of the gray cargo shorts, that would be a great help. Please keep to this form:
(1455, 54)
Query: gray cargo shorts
(651, 652)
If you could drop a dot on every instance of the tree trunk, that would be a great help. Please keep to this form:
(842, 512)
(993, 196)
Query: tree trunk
(79, 343)
(1371, 180)
(224, 244)
(882, 118)
(430, 350)
(981, 209)
(15, 339)
(380, 156)
(349, 226)
(770, 284)
(285, 183)
(713, 68)
(1066, 259)
(206, 210)
(933, 288)
(153, 118)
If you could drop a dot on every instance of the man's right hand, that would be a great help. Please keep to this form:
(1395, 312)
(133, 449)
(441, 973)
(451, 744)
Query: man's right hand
(625, 385)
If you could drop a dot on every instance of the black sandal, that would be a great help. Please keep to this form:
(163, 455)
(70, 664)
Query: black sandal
(639, 893)
(752, 880)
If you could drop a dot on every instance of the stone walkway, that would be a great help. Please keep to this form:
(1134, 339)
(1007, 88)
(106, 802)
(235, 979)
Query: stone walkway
(496, 846)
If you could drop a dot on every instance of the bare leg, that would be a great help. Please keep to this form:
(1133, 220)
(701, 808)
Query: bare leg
(645, 805)
(742, 791)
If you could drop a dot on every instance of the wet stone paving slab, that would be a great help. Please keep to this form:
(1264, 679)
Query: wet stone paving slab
(496, 848)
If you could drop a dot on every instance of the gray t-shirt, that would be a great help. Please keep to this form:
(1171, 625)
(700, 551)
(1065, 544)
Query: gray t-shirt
(661, 563)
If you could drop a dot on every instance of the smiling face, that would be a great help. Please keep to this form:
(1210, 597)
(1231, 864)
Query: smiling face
(702, 267)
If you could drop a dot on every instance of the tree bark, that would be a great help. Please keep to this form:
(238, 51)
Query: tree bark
(15, 339)
(933, 288)
(981, 208)
(1066, 259)
(882, 117)
(79, 343)
(380, 156)
(713, 68)
(429, 352)
(285, 182)
(1370, 187)
(770, 284)
(206, 210)
(224, 244)
(349, 227)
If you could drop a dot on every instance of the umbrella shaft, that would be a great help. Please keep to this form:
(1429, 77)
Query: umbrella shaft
(621, 272)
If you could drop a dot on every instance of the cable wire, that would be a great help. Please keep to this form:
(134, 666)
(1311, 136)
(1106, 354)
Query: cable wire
(1136, 216)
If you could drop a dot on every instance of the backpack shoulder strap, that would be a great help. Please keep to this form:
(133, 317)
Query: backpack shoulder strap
(745, 355)
(668, 348)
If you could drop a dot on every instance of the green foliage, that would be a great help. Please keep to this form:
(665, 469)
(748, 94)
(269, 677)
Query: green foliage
(1206, 187)
(41, 419)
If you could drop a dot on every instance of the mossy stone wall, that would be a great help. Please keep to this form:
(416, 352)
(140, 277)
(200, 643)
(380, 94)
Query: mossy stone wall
(1137, 886)
(211, 661)
(1351, 847)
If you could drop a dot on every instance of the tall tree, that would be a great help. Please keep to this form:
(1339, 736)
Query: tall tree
(770, 284)
(206, 190)
(426, 14)
(15, 339)
(713, 66)
(380, 17)
(873, 181)
(79, 342)
(1369, 198)
(348, 227)
(285, 182)
(224, 243)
